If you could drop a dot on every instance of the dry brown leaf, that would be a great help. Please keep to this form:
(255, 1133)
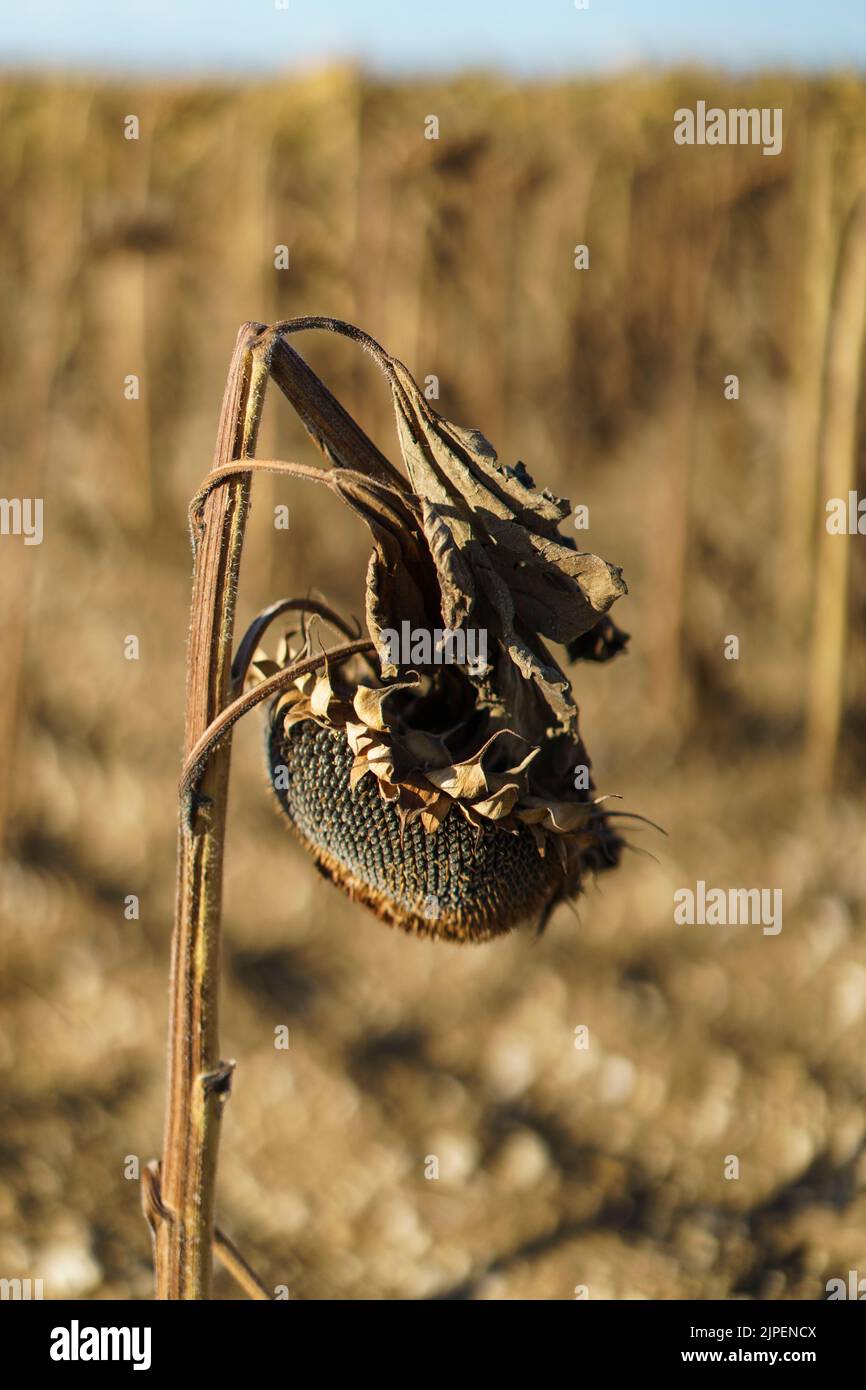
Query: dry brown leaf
(467, 779)
(490, 532)
(368, 702)
(321, 696)
(500, 804)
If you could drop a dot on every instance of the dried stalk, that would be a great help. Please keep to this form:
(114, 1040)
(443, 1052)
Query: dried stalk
(179, 1197)
(241, 1271)
(837, 472)
(332, 428)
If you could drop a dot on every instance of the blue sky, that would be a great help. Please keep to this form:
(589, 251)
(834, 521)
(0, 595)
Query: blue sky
(538, 36)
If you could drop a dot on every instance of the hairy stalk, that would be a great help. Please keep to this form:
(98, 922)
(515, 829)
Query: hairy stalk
(179, 1195)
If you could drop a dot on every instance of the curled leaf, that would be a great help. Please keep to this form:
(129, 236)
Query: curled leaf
(468, 778)
(490, 532)
(368, 701)
(321, 696)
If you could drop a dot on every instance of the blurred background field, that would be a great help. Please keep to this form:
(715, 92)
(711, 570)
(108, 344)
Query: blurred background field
(558, 1167)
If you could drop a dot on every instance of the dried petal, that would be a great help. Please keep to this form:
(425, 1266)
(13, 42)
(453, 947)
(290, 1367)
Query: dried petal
(322, 696)
(467, 779)
(368, 702)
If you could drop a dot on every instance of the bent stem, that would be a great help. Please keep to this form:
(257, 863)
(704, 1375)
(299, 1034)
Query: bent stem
(178, 1196)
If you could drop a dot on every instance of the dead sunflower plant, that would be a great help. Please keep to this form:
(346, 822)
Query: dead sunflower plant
(433, 770)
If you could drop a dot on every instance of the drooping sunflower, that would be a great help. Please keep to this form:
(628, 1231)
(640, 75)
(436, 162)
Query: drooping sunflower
(450, 792)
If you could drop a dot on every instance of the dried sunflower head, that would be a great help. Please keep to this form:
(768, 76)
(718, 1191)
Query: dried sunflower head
(444, 783)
